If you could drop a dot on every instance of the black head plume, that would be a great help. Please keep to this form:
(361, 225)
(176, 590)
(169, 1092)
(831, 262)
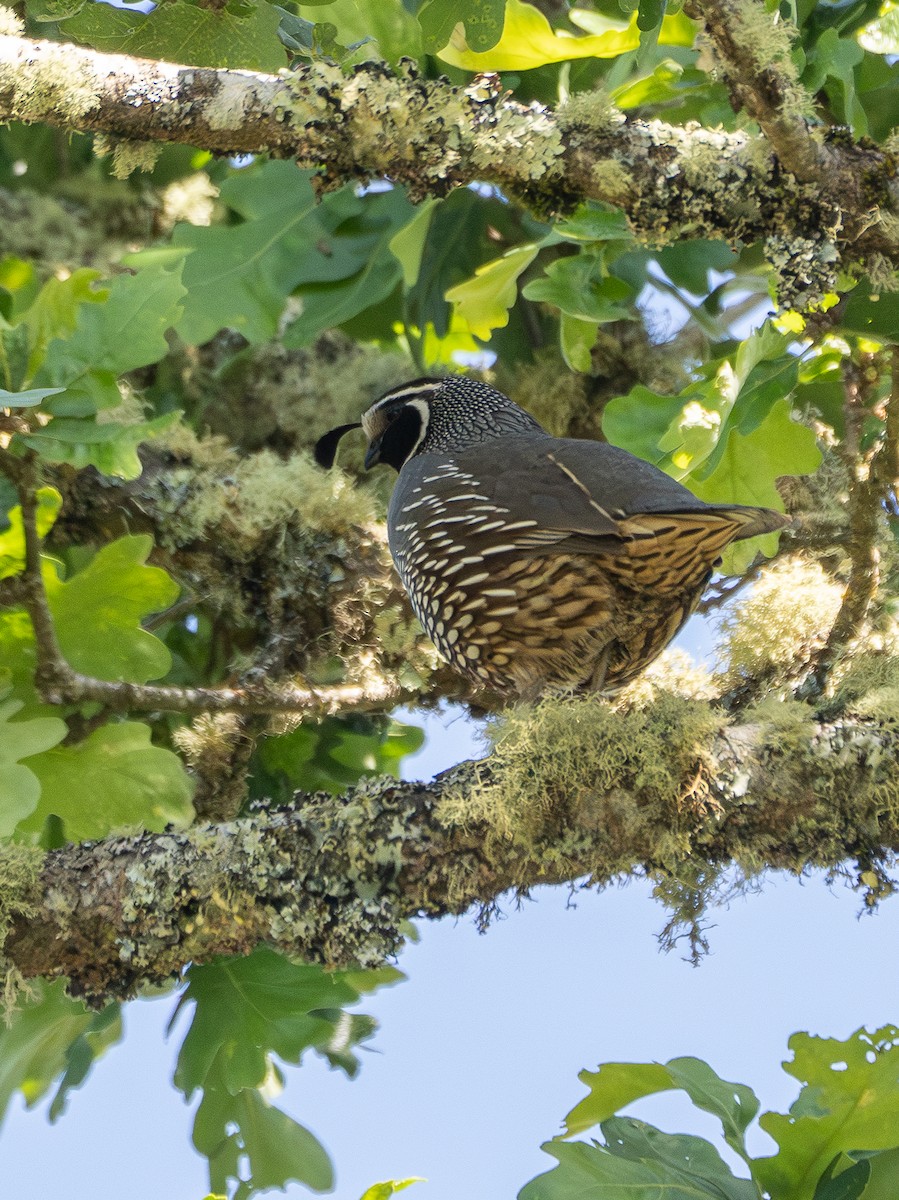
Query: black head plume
(326, 446)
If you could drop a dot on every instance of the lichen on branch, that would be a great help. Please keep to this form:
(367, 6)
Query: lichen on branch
(673, 182)
(663, 791)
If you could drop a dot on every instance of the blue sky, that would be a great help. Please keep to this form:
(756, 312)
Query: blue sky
(477, 1057)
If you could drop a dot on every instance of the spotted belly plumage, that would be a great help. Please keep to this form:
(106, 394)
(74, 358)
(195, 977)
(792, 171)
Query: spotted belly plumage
(523, 622)
(537, 563)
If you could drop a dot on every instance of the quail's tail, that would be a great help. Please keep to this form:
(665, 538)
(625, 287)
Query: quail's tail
(754, 520)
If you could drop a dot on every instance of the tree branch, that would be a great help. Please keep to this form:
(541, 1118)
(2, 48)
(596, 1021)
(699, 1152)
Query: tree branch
(333, 878)
(672, 182)
(58, 683)
(755, 54)
(866, 496)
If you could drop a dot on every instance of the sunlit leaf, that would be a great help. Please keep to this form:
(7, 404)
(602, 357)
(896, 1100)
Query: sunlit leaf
(849, 1101)
(484, 301)
(483, 21)
(12, 540)
(114, 779)
(528, 40)
(20, 788)
(230, 35)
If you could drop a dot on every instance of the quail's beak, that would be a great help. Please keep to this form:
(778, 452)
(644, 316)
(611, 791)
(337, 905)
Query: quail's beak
(373, 454)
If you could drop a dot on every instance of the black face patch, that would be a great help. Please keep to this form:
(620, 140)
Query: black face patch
(396, 443)
(326, 447)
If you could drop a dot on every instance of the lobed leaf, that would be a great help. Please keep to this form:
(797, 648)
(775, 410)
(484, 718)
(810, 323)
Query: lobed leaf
(114, 779)
(528, 40)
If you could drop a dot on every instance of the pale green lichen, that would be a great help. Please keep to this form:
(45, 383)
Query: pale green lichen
(127, 155)
(771, 632)
(614, 181)
(592, 112)
(530, 146)
(11, 25)
(20, 874)
(563, 761)
(56, 83)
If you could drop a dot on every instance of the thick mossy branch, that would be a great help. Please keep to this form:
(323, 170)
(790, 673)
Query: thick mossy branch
(673, 182)
(571, 790)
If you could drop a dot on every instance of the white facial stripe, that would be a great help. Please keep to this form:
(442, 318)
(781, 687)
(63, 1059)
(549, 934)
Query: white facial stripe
(425, 413)
(401, 393)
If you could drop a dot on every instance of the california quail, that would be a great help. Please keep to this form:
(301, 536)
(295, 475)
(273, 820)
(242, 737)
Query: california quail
(537, 563)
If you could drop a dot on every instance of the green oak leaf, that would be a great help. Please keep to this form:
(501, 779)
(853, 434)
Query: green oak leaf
(54, 311)
(580, 287)
(408, 244)
(461, 237)
(872, 313)
(484, 301)
(234, 35)
(98, 612)
(378, 29)
(114, 779)
(528, 40)
(390, 1187)
(849, 1102)
(883, 1183)
(109, 446)
(365, 235)
(247, 1011)
(52, 1035)
(123, 332)
(746, 467)
(277, 1149)
(592, 223)
(12, 540)
(688, 263)
(20, 788)
(616, 1085)
(483, 21)
(576, 341)
(265, 1004)
(238, 276)
(638, 1162)
(650, 14)
(834, 59)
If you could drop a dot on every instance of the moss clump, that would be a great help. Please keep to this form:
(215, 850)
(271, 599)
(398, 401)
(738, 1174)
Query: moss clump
(591, 112)
(869, 687)
(20, 873)
(549, 391)
(768, 40)
(771, 633)
(10, 24)
(576, 761)
(128, 155)
(286, 398)
(260, 492)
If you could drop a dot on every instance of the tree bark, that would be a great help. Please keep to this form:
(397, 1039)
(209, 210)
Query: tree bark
(333, 879)
(672, 181)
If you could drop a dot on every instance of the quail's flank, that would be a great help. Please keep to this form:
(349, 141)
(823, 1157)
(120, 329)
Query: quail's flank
(535, 563)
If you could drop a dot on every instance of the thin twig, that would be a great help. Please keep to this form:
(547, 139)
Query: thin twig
(865, 496)
(765, 89)
(58, 683)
